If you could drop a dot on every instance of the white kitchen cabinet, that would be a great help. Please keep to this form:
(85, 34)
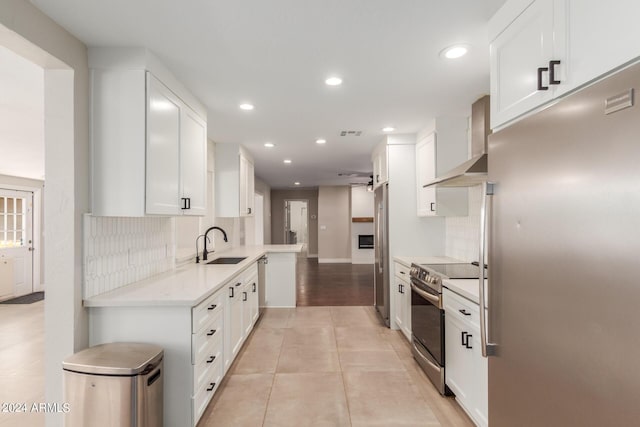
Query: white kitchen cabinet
(380, 164)
(437, 153)
(236, 327)
(525, 46)
(280, 280)
(235, 181)
(402, 286)
(240, 317)
(193, 342)
(193, 162)
(176, 154)
(466, 371)
(148, 138)
(528, 36)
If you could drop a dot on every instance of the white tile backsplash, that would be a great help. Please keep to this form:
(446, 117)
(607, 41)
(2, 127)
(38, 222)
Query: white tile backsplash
(119, 251)
(463, 232)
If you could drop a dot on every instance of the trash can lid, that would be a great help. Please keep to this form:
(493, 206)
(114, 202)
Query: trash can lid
(118, 358)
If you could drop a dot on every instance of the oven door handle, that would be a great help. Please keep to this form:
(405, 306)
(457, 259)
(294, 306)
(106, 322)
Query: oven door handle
(433, 365)
(431, 298)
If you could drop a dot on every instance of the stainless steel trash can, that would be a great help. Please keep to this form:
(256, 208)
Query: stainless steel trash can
(114, 385)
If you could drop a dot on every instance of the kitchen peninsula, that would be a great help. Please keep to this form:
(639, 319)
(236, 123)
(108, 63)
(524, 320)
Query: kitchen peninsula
(200, 314)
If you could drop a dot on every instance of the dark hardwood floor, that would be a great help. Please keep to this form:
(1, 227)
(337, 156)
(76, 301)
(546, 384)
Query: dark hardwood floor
(333, 284)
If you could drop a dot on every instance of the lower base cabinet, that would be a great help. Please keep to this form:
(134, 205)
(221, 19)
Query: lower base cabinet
(199, 343)
(401, 285)
(466, 370)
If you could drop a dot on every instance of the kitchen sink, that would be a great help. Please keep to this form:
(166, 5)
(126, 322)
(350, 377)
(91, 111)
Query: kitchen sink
(227, 260)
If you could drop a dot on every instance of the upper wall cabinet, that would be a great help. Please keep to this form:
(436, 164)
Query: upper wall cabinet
(436, 153)
(234, 177)
(543, 49)
(149, 146)
(379, 158)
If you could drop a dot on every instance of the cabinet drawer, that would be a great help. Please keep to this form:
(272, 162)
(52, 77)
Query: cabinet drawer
(402, 271)
(204, 339)
(461, 308)
(204, 312)
(204, 370)
(203, 396)
(250, 274)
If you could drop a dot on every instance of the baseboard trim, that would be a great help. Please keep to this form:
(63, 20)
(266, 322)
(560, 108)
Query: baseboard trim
(334, 260)
(362, 261)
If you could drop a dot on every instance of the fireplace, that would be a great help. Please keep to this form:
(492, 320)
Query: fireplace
(365, 241)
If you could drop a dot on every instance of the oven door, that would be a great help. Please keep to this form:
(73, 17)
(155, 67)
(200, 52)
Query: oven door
(427, 320)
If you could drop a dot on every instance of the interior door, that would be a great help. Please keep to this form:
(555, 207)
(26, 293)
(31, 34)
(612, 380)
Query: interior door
(16, 256)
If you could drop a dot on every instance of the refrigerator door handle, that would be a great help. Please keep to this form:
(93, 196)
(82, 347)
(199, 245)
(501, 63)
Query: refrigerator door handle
(488, 349)
(380, 237)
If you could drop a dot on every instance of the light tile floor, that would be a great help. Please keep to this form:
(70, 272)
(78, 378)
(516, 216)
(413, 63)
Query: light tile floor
(309, 366)
(328, 366)
(22, 361)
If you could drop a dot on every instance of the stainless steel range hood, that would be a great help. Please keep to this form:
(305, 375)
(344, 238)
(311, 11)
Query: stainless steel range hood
(473, 171)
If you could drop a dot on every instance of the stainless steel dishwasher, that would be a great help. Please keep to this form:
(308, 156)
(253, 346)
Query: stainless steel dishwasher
(114, 385)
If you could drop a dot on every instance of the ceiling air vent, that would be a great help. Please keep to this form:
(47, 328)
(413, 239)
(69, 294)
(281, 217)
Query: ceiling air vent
(351, 133)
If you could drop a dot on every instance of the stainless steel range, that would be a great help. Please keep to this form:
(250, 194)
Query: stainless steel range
(427, 315)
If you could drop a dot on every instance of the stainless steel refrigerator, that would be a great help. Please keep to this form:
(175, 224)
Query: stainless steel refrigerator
(381, 247)
(564, 262)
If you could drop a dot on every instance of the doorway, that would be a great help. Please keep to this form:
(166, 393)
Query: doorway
(296, 224)
(16, 250)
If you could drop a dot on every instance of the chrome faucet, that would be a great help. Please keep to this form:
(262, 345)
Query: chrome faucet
(204, 251)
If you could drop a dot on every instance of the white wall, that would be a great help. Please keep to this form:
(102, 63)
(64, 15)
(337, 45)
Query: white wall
(463, 232)
(28, 32)
(361, 206)
(334, 224)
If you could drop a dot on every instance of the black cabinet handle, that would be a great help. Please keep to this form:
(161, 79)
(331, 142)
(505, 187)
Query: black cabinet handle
(254, 287)
(465, 312)
(211, 359)
(552, 73)
(188, 202)
(377, 178)
(213, 385)
(249, 211)
(244, 296)
(540, 71)
(232, 293)
(238, 284)
(467, 344)
(402, 272)
(211, 332)
(212, 307)
(184, 203)
(465, 339)
(433, 207)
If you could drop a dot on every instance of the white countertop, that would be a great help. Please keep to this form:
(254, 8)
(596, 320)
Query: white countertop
(187, 285)
(467, 288)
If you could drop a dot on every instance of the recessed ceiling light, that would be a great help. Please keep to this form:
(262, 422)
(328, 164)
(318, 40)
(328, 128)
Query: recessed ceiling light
(296, 183)
(269, 144)
(456, 51)
(388, 129)
(321, 141)
(287, 161)
(247, 107)
(333, 81)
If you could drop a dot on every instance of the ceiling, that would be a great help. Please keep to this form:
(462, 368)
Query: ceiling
(276, 55)
(21, 116)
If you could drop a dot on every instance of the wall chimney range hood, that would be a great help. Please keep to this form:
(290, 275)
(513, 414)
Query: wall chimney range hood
(473, 171)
